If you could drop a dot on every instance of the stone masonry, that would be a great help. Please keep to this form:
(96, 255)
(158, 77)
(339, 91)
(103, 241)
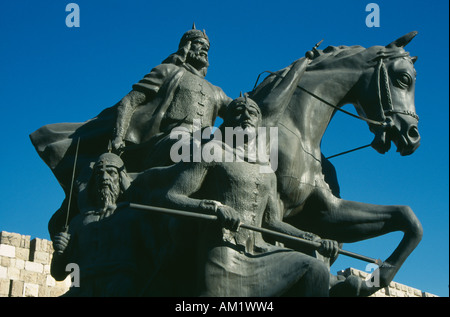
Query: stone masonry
(25, 267)
(393, 290)
(25, 271)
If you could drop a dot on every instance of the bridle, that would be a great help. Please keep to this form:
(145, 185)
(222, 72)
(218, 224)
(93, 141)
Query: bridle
(384, 101)
(384, 94)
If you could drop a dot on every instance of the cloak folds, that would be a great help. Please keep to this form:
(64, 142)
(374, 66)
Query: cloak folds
(56, 143)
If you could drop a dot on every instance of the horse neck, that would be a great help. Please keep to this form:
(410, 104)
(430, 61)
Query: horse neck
(309, 115)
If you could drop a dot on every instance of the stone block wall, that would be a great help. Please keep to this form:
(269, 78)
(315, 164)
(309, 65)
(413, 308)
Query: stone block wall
(25, 271)
(25, 267)
(393, 290)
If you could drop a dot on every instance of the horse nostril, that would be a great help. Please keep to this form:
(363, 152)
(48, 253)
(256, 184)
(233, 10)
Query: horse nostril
(413, 133)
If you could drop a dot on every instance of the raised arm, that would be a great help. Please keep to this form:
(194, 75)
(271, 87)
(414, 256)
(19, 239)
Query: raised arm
(277, 100)
(143, 91)
(125, 110)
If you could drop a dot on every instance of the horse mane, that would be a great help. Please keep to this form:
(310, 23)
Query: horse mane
(332, 54)
(334, 57)
(324, 59)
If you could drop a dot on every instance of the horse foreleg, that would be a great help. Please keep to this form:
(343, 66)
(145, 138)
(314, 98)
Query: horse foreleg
(350, 221)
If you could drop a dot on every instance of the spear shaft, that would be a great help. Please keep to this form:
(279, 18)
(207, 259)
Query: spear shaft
(273, 233)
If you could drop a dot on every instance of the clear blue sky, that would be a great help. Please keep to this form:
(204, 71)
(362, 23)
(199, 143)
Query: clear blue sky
(50, 73)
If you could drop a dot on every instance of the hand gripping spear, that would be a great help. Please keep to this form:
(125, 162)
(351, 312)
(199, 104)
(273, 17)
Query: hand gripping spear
(313, 244)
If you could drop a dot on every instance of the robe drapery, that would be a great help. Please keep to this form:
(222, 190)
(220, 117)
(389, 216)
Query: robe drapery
(56, 143)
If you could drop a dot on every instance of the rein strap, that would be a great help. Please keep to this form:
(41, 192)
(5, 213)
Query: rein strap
(379, 123)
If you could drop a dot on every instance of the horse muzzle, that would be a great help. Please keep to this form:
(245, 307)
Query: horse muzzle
(403, 133)
(405, 136)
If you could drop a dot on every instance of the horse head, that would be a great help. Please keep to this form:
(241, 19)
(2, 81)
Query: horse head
(385, 93)
(379, 81)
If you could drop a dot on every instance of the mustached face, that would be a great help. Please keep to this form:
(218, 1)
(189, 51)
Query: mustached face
(198, 53)
(107, 184)
(244, 116)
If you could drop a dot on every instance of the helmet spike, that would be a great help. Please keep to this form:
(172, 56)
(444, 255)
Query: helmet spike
(192, 34)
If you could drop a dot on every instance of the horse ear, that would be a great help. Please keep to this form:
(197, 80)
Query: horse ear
(402, 41)
(414, 59)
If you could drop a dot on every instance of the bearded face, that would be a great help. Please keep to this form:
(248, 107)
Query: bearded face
(198, 53)
(245, 116)
(107, 181)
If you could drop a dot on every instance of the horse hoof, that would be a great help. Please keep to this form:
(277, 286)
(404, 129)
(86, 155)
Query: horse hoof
(350, 287)
(386, 273)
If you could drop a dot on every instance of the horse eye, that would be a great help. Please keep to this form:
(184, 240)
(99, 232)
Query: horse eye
(404, 80)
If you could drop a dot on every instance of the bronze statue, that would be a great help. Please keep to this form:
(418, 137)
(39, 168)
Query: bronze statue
(233, 261)
(172, 95)
(298, 196)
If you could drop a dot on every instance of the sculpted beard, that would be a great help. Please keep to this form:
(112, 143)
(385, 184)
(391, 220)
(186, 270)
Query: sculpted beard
(198, 58)
(108, 193)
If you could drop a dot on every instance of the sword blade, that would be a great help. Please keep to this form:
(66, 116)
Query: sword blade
(71, 186)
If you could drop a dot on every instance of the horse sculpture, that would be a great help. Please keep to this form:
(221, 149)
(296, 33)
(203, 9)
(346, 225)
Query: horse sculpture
(379, 82)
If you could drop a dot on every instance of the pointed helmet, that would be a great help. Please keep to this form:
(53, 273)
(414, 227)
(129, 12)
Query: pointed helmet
(191, 35)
